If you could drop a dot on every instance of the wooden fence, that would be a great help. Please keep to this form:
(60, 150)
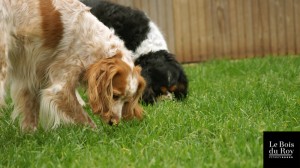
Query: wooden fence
(199, 30)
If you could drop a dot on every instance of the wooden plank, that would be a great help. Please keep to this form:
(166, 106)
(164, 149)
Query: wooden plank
(290, 27)
(248, 28)
(128, 2)
(202, 34)
(170, 25)
(257, 28)
(115, 1)
(161, 14)
(194, 29)
(145, 7)
(209, 29)
(186, 31)
(265, 23)
(273, 26)
(161, 17)
(234, 40)
(217, 18)
(241, 29)
(137, 4)
(153, 10)
(281, 28)
(178, 30)
(226, 29)
(297, 24)
(123, 2)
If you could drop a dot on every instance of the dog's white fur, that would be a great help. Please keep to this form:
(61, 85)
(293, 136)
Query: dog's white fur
(155, 41)
(44, 65)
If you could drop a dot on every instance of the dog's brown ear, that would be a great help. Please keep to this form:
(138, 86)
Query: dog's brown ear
(99, 80)
(132, 108)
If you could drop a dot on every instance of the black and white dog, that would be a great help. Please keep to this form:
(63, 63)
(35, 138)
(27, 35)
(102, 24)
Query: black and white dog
(162, 72)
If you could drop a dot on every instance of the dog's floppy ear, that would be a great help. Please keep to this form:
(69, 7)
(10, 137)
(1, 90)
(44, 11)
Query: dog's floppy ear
(148, 96)
(100, 90)
(132, 108)
(182, 86)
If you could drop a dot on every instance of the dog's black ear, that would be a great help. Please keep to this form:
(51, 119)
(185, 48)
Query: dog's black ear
(182, 86)
(146, 62)
(149, 96)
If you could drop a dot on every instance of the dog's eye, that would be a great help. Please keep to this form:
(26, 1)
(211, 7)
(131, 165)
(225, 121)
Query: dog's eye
(116, 97)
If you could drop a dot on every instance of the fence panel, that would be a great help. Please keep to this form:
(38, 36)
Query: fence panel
(297, 25)
(290, 27)
(200, 30)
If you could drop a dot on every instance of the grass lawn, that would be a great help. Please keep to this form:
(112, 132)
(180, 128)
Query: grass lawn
(221, 124)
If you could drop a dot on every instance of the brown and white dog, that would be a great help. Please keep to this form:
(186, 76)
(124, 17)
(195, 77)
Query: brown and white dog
(49, 47)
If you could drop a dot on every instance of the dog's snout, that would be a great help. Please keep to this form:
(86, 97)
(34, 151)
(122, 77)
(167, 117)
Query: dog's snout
(110, 123)
(113, 121)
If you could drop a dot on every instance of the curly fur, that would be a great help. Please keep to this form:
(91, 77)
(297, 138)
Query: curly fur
(101, 93)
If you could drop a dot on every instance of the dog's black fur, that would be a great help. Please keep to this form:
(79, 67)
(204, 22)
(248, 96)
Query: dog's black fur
(160, 69)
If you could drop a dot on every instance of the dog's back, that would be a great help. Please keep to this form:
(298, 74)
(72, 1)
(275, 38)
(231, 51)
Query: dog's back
(130, 24)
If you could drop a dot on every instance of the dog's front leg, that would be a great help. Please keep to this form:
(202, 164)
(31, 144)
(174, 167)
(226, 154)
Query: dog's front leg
(6, 29)
(26, 105)
(59, 103)
(3, 74)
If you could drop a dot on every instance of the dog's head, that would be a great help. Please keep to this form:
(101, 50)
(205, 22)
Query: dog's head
(114, 89)
(164, 76)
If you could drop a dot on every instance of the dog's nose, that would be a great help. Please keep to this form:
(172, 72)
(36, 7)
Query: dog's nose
(110, 123)
(113, 121)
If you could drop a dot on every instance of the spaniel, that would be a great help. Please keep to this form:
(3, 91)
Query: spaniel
(48, 48)
(164, 75)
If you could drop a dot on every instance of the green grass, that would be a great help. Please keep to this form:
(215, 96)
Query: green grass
(221, 124)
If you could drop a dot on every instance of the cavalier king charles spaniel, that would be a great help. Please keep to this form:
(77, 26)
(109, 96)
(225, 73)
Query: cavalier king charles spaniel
(49, 47)
(162, 72)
